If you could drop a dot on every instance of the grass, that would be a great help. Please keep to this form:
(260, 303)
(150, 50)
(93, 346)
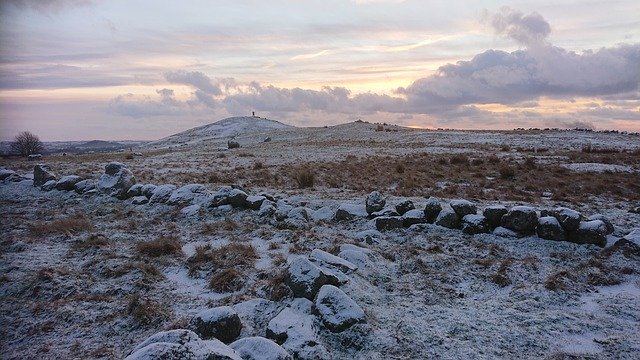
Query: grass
(93, 241)
(225, 257)
(145, 311)
(227, 280)
(162, 246)
(69, 225)
(212, 228)
(304, 178)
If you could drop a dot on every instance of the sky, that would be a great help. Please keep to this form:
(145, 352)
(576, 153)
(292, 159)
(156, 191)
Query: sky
(142, 70)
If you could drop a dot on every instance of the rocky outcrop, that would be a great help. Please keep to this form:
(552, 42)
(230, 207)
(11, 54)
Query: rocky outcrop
(549, 228)
(42, 174)
(305, 278)
(222, 323)
(337, 311)
(67, 183)
(521, 219)
(116, 180)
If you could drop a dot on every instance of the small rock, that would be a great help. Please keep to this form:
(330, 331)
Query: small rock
(549, 228)
(494, 214)
(405, 206)
(116, 180)
(41, 174)
(605, 220)
(232, 144)
(34, 157)
(323, 214)
(188, 194)
(413, 217)
(448, 218)
(222, 323)
(337, 310)
(374, 202)
(135, 190)
(139, 200)
(5, 173)
(267, 139)
(633, 236)
(162, 193)
(305, 278)
(475, 224)
(369, 236)
(520, 219)
(267, 209)
(432, 209)
(568, 218)
(388, 223)
(228, 195)
(259, 348)
(83, 186)
(463, 207)
(384, 212)
(348, 212)
(590, 232)
(327, 259)
(254, 202)
(67, 183)
(178, 336)
(49, 185)
(148, 190)
(505, 233)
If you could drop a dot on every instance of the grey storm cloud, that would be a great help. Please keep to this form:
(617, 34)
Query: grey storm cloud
(46, 6)
(528, 30)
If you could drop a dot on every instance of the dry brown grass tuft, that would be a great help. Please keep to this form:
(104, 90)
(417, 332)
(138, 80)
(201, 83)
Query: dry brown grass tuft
(70, 225)
(225, 257)
(93, 241)
(559, 281)
(145, 311)
(507, 172)
(304, 178)
(459, 159)
(276, 288)
(227, 280)
(212, 228)
(164, 245)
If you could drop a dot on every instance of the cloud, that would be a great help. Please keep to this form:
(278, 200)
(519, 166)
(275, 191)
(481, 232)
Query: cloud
(136, 107)
(196, 79)
(527, 30)
(47, 6)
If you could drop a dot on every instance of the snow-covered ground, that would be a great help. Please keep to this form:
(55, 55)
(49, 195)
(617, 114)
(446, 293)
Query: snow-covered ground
(86, 290)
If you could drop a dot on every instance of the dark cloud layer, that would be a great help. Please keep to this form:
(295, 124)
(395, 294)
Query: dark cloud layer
(528, 30)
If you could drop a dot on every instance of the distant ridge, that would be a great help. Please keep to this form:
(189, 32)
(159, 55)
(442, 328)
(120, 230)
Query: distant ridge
(225, 128)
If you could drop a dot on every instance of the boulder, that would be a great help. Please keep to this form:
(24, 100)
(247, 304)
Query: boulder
(494, 214)
(568, 218)
(590, 232)
(505, 233)
(633, 236)
(178, 336)
(67, 183)
(475, 224)
(413, 217)
(326, 259)
(388, 223)
(222, 323)
(148, 190)
(188, 194)
(605, 220)
(337, 311)
(369, 236)
(181, 344)
(116, 180)
(254, 202)
(162, 193)
(431, 209)
(267, 209)
(83, 186)
(549, 228)
(294, 328)
(374, 202)
(282, 210)
(255, 315)
(135, 190)
(356, 255)
(348, 212)
(405, 206)
(305, 278)
(384, 212)
(5, 173)
(232, 144)
(49, 185)
(325, 213)
(41, 174)
(448, 218)
(259, 348)
(523, 219)
(139, 200)
(463, 207)
(228, 195)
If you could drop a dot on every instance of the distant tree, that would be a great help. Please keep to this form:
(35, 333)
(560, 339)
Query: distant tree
(26, 143)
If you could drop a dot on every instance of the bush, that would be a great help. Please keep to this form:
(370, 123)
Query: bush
(26, 144)
(304, 178)
(164, 245)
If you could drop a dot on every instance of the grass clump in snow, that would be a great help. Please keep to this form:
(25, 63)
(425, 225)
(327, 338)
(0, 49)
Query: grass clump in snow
(225, 257)
(93, 241)
(305, 178)
(70, 225)
(227, 280)
(164, 245)
(145, 311)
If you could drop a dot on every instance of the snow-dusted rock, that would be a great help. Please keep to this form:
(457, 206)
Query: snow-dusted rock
(41, 174)
(178, 336)
(66, 183)
(605, 220)
(404, 206)
(448, 218)
(369, 236)
(505, 233)
(413, 217)
(388, 223)
(520, 219)
(259, 348)
(294, 328)
(193, 350)
(463, 207)
(356, 257)
(374, 202)
(633, 236)
(134, 190)
(254, 202)
(267, 209)
(49, 185)
(296, 218)
(305, 278)
(83, 186)
(323, 214)
(191, 212)
(384, 212)
(337, 311)
(188, 194)
(222, 323)
(494, 214)
(139, 200)
(568, 218)
(282, 210)
(116, 180)
(5, 173)
(255, 315)
(351, 212)
(590, 232)
(232, 144)
(324, 258)
(549, 228)
(432, 209)
(475, 224)
(148, 190)
(162, 193)
(228, 195)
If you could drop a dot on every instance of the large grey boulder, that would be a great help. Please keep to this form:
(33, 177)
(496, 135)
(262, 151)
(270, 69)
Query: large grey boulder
(568, 218)
(374, 202)
(84, 186)
(305, 278)
(475, 224)
(148, 190)
(348, 212)
(494, 214)
(463, 207)
(254, 202)
(324, 258)
(5, 173)
(222, 323)
(294, 328)
(42, 174)
(405, 206)
(259, 348)
(549, 228)
(139, 200)
(188, 194)
(337, 310)
(116, 180)
(49, 185)
(605, 220)
(162, 193)
(267, 209)
(181, 344)
(413, 217)
(388, 223)
(135, 190)
(590, 232)
(431, 209)
(228, 195)
(177, 336)
(67, 183)
(521, 219)
(448, 218)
